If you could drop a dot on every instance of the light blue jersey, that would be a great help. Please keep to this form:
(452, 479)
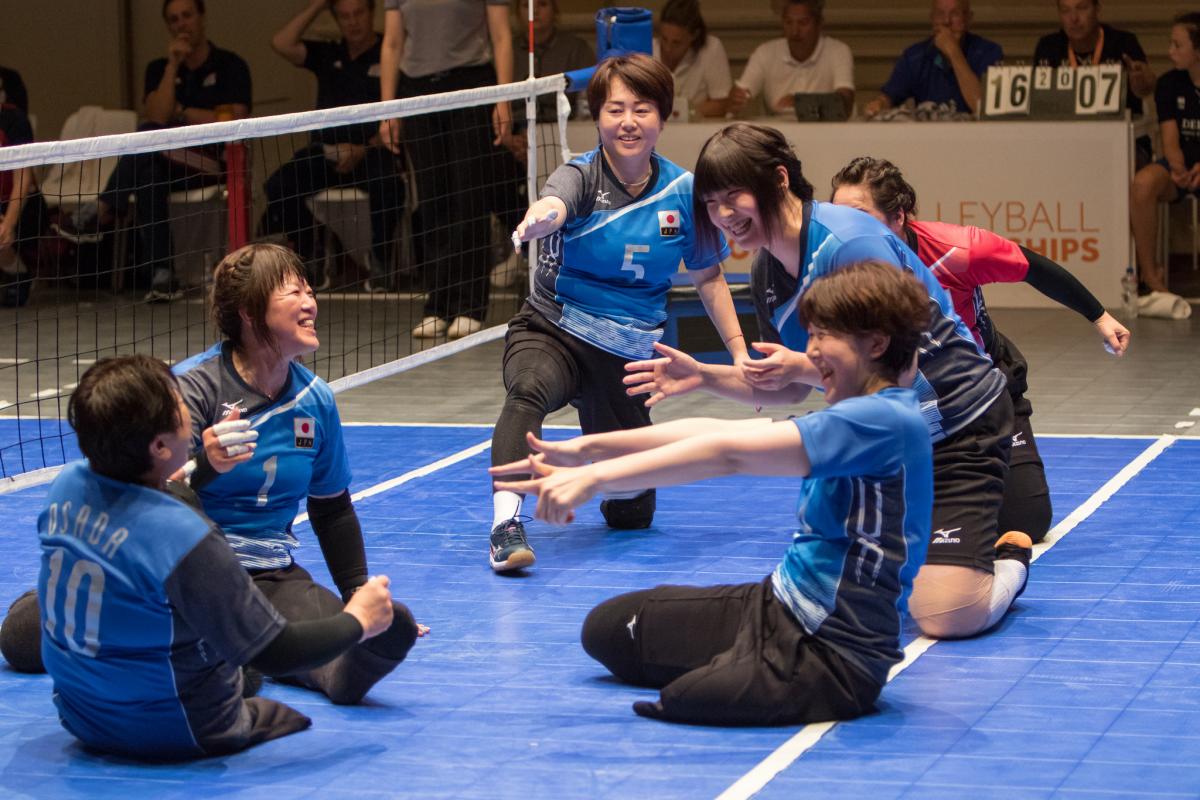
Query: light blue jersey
(146, 617)
(604, 275)
(300, 452)
(864, 521)
(955, 380)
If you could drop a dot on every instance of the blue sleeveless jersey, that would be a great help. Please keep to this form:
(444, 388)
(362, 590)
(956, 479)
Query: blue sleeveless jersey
(604, 275)
(300, 452)
(146, 616)
(864, 520)
(955, 381)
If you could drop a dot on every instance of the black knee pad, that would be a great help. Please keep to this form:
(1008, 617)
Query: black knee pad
(398, 639)
(632, 514)
(21, 634)
(608, 636)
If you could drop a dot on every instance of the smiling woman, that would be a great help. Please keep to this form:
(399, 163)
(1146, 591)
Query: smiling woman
(750, 186)
(600, 289)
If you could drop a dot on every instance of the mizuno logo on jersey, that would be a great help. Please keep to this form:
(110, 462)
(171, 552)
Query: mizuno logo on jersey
(231, 407)
(602, 197)
(668, 223)
(306, 431)
(942, 536)
(1017, 440)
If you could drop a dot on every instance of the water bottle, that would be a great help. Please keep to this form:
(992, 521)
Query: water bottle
(1129, 293)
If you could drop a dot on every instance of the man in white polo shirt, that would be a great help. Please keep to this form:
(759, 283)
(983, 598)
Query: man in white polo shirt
(803, 60)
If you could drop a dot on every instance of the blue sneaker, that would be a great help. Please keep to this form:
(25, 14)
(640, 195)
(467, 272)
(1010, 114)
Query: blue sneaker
(509, 548)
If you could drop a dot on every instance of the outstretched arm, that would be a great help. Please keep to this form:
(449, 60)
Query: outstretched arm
(677, 373)
(1059, 285)
(774, 449)
(600, 446)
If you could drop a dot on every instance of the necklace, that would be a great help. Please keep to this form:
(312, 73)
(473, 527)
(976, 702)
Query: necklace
(645, 178)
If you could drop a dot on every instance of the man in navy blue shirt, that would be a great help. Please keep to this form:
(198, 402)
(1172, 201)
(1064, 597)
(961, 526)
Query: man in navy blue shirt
(347, 73)
(948, 66)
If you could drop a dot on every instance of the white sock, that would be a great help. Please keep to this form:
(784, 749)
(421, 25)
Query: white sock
(505, 506)
(1006, 583)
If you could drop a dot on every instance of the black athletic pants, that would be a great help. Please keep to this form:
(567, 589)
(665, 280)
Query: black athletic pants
(149, 178)
(545, 368)
(725, 655)
(345, 679)
(1026, 506)
(457, 168)
(309, 172)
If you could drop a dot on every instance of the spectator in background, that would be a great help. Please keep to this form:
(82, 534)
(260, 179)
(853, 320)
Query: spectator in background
(804, 60)
(947, 66)
(186, 87)
(429, 47)
(696, 59)
(347, 73)
(1084, 39)
(12, 90)
(22, 213)
(1177, 98)
(554, 51)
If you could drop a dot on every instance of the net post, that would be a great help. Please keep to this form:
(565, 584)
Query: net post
(238, 188)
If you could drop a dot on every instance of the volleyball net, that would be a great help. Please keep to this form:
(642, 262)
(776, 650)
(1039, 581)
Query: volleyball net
(407, 246)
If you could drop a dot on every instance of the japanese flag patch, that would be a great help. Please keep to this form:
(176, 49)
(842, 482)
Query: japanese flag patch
(668, 223)
(306, 431)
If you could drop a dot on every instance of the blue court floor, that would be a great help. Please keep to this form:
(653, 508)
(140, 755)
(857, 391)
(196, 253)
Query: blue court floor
(1089, 689)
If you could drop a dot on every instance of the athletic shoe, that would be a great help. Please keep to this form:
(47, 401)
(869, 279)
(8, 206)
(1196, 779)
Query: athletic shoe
(82, 226)
(429, 328)
(1017, 546)
(510, 549)
(163, 287)
(463, 326)
(318, 278)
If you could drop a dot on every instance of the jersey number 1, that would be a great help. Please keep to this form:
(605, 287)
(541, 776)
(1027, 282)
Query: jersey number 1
(95, 598)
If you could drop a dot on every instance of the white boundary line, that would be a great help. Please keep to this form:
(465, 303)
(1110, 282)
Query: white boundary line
(411, 475)
(786, 754)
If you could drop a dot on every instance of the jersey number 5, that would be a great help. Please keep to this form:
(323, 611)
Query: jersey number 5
(95, 598)
(631, 250)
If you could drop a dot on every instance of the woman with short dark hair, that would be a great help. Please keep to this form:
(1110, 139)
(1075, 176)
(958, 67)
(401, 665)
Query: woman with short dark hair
(613, 226)
(815, 639)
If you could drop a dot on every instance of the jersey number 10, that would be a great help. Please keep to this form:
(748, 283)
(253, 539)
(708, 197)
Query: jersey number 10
(94, 574)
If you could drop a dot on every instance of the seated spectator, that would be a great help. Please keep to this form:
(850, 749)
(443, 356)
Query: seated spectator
(22, 214)
(804, 60)
(947, 66)
(1084, 39)
(347, 73)
(12, 90)
(187, 87)
(696, 59)
(1177, 98)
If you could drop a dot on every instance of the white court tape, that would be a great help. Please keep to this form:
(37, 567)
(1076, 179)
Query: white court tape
(786, 754)
(420, 472)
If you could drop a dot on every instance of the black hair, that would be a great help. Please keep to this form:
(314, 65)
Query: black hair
(883, 179)
(120, 405)
(746, 156)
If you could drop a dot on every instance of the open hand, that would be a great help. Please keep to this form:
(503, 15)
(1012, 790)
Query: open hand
(676, 373)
